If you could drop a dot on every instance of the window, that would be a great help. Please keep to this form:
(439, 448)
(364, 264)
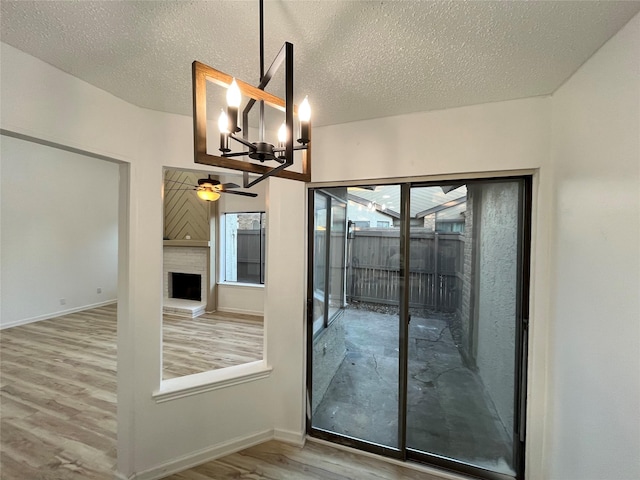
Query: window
(450, 226)
(382, 224)
(244, 247)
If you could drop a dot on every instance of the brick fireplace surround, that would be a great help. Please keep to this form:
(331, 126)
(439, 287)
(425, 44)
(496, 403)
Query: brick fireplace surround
(185, 259)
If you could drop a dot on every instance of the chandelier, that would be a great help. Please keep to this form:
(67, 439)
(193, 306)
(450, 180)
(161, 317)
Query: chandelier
(233, 136)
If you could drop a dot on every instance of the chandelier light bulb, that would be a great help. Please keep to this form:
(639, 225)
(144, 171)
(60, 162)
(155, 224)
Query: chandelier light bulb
(304, 110)
(282, 133)
(224, 127)
(223, 122)
(233, 102)
(304, 115)
(233, 95)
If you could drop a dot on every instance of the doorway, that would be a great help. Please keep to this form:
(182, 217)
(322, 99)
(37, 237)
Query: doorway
(65, 257)
(424, 356)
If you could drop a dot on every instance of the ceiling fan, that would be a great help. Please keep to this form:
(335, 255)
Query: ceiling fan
(209, 188)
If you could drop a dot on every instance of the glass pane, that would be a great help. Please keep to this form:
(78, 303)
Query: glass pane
(244, 247)
(462, 333)
(320, 260)
(355, 361)
(336, 256)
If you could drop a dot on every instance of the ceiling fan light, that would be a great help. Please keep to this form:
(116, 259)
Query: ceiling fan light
(208, 194)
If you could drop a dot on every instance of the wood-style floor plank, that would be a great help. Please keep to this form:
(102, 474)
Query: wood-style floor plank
(58, 398)
(280, 461)
(210, 341)
(58, 386)
(58, 402)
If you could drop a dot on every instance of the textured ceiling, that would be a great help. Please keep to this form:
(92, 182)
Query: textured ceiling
(355, 59)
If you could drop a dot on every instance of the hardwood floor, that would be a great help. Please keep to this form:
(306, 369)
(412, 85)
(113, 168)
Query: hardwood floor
(280, 461)
(58, 386)
(58, 398)
(208, 342)
(58, 403)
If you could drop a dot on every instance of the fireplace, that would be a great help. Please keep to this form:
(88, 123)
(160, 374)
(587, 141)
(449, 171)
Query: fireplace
(188, 264)
(185, 285)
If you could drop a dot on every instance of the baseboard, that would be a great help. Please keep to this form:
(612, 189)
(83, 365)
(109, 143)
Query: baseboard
(49, 316)
(287, 436)
(206, 455)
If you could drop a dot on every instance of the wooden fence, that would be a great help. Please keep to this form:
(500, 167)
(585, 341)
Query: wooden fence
(373, 266)
(435, 277)
(250, 256)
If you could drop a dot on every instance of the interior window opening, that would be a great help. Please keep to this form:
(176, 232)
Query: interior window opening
(213, 272)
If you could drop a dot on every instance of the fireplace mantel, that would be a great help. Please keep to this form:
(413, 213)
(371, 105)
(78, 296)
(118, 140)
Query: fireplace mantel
(186, 243)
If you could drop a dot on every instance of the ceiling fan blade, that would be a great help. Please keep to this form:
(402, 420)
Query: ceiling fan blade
(224, 186)
(245, 194)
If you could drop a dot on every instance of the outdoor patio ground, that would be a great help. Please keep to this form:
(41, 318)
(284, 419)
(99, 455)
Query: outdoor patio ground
(449, 413)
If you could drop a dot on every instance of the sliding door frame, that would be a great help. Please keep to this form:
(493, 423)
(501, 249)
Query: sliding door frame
(322, 434)
(525, 182)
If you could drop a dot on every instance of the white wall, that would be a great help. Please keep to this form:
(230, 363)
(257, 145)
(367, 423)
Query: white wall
(59, 231)
(495, 136)
(594, 397)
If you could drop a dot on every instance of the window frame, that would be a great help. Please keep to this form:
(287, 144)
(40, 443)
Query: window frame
(261, 250)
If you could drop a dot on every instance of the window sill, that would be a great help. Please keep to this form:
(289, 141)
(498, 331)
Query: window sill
(242, 285)
(198, 383)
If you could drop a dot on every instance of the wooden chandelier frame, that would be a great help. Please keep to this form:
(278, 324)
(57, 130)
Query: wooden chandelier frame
(202, 73)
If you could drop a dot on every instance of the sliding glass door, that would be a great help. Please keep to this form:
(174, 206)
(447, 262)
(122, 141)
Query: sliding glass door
(465, 339)
(427, 358)
(355, 358)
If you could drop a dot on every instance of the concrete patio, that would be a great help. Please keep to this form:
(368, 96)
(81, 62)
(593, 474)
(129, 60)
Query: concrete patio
(449, 413)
